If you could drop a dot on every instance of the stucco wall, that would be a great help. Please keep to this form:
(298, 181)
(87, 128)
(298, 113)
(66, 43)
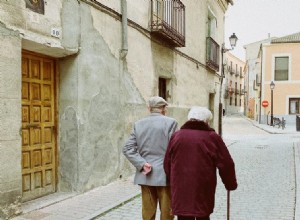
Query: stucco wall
(10, 121)
(94, 98)
(101, 95)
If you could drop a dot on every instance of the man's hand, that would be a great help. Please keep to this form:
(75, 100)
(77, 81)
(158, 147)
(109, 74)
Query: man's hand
(146, 169)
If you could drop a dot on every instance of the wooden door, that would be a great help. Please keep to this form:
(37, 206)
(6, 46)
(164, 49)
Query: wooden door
(38, 126)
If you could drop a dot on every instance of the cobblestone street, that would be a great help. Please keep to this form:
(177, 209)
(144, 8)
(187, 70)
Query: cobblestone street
(265, 168)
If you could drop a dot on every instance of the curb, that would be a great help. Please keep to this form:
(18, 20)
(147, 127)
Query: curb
(107, 209)
(254, 123)
(297, 177)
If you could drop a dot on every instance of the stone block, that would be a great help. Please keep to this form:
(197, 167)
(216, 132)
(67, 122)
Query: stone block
(10, 65)
(10, 169)
(10, 119)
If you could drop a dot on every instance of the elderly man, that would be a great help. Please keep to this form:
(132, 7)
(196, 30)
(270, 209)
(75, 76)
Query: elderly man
(145, 149)
(194, 154)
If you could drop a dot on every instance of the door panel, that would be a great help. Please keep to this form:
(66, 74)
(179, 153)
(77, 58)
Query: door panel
(38, 126)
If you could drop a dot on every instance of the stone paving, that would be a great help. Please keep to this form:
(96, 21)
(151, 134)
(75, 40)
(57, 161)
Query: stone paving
(266, 178)
(265, 169)
(267, 161)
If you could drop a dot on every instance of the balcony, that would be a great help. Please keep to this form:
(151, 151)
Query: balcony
(237, 73)
(228, 92)
(212, 54)
(242, 92)
(168, 21)
(257, 80)
(255, 85)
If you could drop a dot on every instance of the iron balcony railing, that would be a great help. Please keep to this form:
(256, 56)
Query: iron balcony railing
(232, 71)
(168, 21)
(212, 54)
(242, 92)
(228, 92)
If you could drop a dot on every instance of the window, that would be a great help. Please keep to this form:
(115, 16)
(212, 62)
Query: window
(211, 24)
(162, 88)
(235, 88)
(281, 68)
(212, 47)
(294, 105)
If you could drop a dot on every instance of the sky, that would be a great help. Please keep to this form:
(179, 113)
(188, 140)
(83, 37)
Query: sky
(253, 20)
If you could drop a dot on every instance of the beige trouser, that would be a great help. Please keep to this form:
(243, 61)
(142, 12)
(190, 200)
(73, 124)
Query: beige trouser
(150, 196)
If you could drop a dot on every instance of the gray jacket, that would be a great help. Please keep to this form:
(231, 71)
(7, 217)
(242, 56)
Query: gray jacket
(148, 142)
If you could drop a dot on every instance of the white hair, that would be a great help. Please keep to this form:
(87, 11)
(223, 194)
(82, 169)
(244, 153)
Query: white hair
(200, 113)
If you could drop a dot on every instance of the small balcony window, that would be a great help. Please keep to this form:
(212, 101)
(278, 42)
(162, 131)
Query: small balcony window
(168, 21)
(212, 54)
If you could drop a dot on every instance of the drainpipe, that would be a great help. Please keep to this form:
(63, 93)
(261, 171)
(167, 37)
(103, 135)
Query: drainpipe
(124, 49)
(123, 70)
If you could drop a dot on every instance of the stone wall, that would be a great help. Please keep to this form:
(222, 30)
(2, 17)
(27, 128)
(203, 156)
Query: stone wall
(10, 121)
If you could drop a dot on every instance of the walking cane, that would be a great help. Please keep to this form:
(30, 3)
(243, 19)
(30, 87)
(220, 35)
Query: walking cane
(228, 205)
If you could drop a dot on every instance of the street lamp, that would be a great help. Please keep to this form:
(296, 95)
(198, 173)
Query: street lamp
(232, 39)
(272, 86)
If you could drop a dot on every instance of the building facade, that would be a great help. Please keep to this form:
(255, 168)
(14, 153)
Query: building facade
(234, 86)
(281, 65)
(75, 75)
(253, 78)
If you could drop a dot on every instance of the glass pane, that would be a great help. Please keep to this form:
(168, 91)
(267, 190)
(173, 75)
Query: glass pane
(294, 106)
(281, 68)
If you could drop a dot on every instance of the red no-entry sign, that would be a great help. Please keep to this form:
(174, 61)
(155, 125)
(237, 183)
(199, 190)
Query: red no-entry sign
(265, 103)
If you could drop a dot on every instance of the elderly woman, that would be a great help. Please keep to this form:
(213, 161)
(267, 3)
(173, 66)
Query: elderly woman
(194, 154)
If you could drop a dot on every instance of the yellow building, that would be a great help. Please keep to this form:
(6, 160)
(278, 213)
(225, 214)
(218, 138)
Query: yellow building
(280, 61)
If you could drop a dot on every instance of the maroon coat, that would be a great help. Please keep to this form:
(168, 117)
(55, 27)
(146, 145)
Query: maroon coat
(193, 155)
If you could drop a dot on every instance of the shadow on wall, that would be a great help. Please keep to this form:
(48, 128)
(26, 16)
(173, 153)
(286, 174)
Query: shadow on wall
(93, 132)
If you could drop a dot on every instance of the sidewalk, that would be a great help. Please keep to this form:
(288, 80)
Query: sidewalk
(289, 129)
(80, 206)
(71, 206)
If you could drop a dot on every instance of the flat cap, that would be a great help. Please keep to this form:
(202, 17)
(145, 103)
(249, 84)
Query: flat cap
(157, 102)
